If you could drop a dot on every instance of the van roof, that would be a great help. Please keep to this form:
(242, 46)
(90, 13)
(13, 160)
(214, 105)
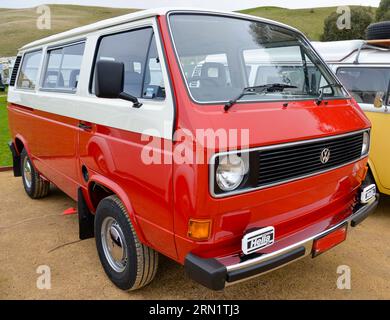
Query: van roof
(347, 51)
(132, 17)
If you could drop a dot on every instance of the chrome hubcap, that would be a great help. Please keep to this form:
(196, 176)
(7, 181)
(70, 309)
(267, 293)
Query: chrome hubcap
(27, 172)
(114, 244)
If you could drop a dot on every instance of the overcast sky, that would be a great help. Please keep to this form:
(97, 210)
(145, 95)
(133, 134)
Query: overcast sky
(209, 4)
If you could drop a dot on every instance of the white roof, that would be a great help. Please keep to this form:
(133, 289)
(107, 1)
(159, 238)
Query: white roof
(132, 17)
(346, 52)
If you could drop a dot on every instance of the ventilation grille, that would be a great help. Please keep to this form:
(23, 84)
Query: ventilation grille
(291, 162)
(15, 71)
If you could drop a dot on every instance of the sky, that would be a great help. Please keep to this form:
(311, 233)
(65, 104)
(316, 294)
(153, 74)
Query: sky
(207, 4)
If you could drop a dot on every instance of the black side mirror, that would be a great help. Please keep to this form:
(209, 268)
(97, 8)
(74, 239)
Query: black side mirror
(109, 79)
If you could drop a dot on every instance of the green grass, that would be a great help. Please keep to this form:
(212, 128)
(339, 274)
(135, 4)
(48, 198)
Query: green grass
(5, 154)
(18, 26)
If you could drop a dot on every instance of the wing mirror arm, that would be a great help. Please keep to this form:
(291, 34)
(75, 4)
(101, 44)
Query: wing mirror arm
(129, 97)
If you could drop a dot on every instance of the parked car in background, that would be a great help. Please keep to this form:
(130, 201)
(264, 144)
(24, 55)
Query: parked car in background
(88, 106)
(2, 85)
(364, 69)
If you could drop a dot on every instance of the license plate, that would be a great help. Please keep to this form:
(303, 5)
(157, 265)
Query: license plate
(258, 239)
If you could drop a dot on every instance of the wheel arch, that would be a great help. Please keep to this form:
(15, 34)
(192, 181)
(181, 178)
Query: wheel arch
(112, 188)
(20, 144)
(372, 169)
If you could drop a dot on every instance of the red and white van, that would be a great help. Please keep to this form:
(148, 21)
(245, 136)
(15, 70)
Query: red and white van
(220, 140)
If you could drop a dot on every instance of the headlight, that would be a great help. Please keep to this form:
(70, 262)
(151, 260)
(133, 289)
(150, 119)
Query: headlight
(366, 143)
(230, 172)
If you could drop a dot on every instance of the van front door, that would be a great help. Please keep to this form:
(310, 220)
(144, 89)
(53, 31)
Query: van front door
(367, 84)
(115, 138)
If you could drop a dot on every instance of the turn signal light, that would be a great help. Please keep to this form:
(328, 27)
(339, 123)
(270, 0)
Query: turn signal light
(329, 241)
(199, 229)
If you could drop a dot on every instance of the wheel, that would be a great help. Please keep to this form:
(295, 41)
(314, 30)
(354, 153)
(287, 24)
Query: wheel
(128, 263)
(34, 185)
(369, 180)
(378, 31)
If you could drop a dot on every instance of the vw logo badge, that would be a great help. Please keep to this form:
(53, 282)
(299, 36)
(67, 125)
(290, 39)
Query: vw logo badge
(325, 155)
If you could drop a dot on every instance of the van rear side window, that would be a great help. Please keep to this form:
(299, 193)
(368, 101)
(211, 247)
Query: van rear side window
(137, 50)
(29, 72)
(63, 68)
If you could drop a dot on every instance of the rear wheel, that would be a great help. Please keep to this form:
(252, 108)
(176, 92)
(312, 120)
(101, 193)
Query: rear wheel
(34, 185)
(128, 263)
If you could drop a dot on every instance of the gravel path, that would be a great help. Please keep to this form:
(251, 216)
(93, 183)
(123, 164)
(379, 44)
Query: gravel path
(34, 233)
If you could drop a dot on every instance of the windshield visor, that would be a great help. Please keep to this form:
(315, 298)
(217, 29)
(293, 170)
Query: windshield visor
(220, 56)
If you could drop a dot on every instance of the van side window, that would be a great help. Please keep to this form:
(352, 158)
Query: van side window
(364, 83)
(153, 80)
(28, 73)
(137, 50)
(63, 67)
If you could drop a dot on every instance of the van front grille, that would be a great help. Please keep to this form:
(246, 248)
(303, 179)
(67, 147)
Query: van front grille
(15, 71)
(289, 162)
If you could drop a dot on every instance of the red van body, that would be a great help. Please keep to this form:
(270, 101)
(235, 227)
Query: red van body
(90, 161)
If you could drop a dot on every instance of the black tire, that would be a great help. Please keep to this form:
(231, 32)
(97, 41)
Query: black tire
(378, 31)
(141, 263)
(36, 187)
(369, 180)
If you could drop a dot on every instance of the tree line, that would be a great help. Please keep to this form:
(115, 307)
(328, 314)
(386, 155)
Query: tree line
(361, 18)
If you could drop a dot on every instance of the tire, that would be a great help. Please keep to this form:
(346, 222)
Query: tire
(34, 185)
(378, 31)
(369, 180)
(136, 265)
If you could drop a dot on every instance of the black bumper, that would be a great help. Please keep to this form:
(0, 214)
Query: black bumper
(214, 275)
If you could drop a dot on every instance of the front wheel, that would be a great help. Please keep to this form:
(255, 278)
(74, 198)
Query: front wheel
(34, 185)
(128, 263)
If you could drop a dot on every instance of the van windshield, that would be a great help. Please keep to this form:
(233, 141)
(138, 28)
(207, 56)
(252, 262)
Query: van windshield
(220, 56)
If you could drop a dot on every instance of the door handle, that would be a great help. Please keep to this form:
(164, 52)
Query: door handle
(86, 126)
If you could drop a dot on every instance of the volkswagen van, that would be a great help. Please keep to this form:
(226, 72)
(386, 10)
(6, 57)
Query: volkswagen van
(231, 175)
(364, 68)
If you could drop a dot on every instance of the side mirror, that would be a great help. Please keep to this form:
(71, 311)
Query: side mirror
(378, 102)
(109, 79)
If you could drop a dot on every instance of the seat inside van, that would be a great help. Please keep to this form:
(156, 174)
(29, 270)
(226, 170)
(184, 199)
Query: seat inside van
(53, 79)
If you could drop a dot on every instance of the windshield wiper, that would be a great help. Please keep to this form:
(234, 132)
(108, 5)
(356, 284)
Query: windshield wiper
(321, 96)
(272, 87)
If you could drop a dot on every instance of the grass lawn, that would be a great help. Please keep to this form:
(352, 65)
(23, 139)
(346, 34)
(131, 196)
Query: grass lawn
(5, 154)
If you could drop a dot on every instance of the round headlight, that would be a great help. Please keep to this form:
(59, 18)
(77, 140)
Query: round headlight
(366, 143)
(230, 172)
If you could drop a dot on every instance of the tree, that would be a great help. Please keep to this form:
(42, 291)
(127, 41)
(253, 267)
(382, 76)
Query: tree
(383, 12)
(360, 19)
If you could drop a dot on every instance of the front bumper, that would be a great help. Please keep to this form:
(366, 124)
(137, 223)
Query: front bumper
(214, 275)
